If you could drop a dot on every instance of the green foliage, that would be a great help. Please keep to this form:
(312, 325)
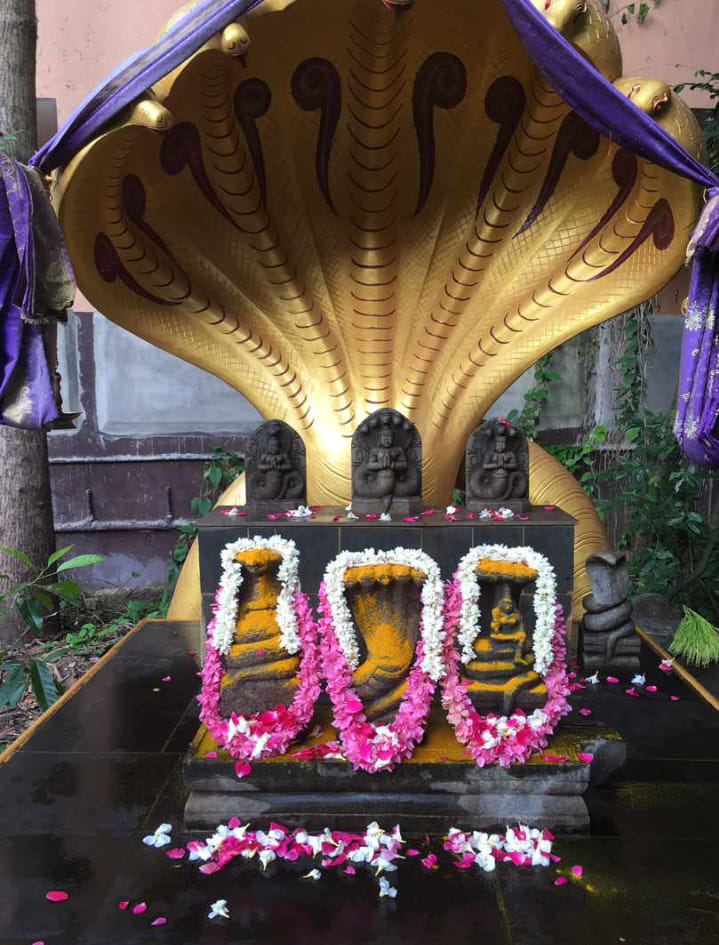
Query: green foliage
(696, 640)
(583, 459)
(38, 598)
(708, 82)
(536, 398)
(631, 11)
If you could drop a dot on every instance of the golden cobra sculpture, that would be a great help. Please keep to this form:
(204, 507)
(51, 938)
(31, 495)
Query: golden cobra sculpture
(339, 206)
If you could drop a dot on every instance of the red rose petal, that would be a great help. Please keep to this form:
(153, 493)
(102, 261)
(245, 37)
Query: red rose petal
(123, 905)
(139, 908)
(242, 769)
(55, 895)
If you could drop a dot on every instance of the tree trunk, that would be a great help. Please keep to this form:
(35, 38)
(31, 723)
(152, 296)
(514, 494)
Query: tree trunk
(25, 502)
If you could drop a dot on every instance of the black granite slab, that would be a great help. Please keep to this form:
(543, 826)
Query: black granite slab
(320, 539)
(650, 861)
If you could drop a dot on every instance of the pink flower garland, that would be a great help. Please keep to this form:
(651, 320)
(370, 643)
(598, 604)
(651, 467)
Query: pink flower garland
(492, 739)
(266, 733)
(367, 746)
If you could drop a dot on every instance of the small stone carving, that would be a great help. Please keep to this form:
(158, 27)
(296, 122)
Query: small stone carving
(276, 468)
(608, 639)
(497, 464)
(386, 464)
(502, 676)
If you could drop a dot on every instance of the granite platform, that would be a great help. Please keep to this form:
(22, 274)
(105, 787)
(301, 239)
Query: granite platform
(106, 768)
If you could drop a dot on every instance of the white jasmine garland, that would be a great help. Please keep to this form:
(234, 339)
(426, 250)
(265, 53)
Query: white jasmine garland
(545, 599)
(231, 581)
(432, 619)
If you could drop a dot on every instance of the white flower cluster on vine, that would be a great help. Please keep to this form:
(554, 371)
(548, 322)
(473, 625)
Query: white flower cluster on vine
(545, 599)
(432, 602)
(231, 581)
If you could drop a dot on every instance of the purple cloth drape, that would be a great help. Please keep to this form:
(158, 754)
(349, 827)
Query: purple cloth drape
(135, 76)
(27, 397)
(610, 112)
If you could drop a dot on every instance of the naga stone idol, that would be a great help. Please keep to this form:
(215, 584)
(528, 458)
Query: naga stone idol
(259, 674)
(385, 601)
(497, 467)
(386, 464)
(608, 638)
(502, 677)
(276, 468)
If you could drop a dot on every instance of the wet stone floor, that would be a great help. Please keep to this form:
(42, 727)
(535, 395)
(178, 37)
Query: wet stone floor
(77, 798)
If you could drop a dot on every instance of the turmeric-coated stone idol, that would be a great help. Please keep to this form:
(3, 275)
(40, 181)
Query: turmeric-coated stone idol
(259, 673)
(502, 677)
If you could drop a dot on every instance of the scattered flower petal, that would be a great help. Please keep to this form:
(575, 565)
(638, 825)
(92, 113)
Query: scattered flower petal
(429, 861)
(560, 881)
(674, 698)
(593, 680)
(586, 712)
(667, 666)
(632, 692)
(578, 871)
(385, 889)
(612, 680)
(242, 769)
(166, 679)
(56, 895)
(585, 757)
(160, 838)
(652, 689)
(139, 908)
(349, 870)
(160, 920)
(313, 874)
(219, 910)
(211, 755)
(639, 680)
(177, 853)
(412, 852)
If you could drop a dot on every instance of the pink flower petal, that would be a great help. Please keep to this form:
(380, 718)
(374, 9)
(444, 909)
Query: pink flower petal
(612, 680)
(586, 758)
(350, 870)
(632, 692)
(674, 698)
(550, 508)
(652, 689)
(560, 881)
(556, 759)
(56, 895)
(578, 871)
(242, 769)
(124, 904)
(666, 666)
(412, 852)
(38, 943)
(411, 518)
(211, 755)
(429, 861)
(166, 679)
(586, 712)
(177, 853)
(140, 908)
(160, 920)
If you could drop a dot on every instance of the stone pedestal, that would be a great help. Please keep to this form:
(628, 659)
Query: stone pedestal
(440, 786)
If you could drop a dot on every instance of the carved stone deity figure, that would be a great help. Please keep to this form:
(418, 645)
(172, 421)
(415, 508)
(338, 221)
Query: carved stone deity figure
(608, 638)
(276, 474)
(502, 675)
(259, 673)
(386, 464)
(385, 603)
(497, 464)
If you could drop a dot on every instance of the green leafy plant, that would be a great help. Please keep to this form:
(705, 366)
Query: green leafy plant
(630, 11)
(696, 640)
(535, 398)
(37, 599)
(219, 473)
(708, 82)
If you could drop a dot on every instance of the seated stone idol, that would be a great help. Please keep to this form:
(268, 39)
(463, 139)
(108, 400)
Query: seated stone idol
(386, 464)
(259, 673)
(276, 467)
(497, 464)
(502, 677)
(385, 603)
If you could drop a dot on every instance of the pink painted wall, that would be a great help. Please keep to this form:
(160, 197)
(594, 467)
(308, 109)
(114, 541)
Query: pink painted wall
(82, 41)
